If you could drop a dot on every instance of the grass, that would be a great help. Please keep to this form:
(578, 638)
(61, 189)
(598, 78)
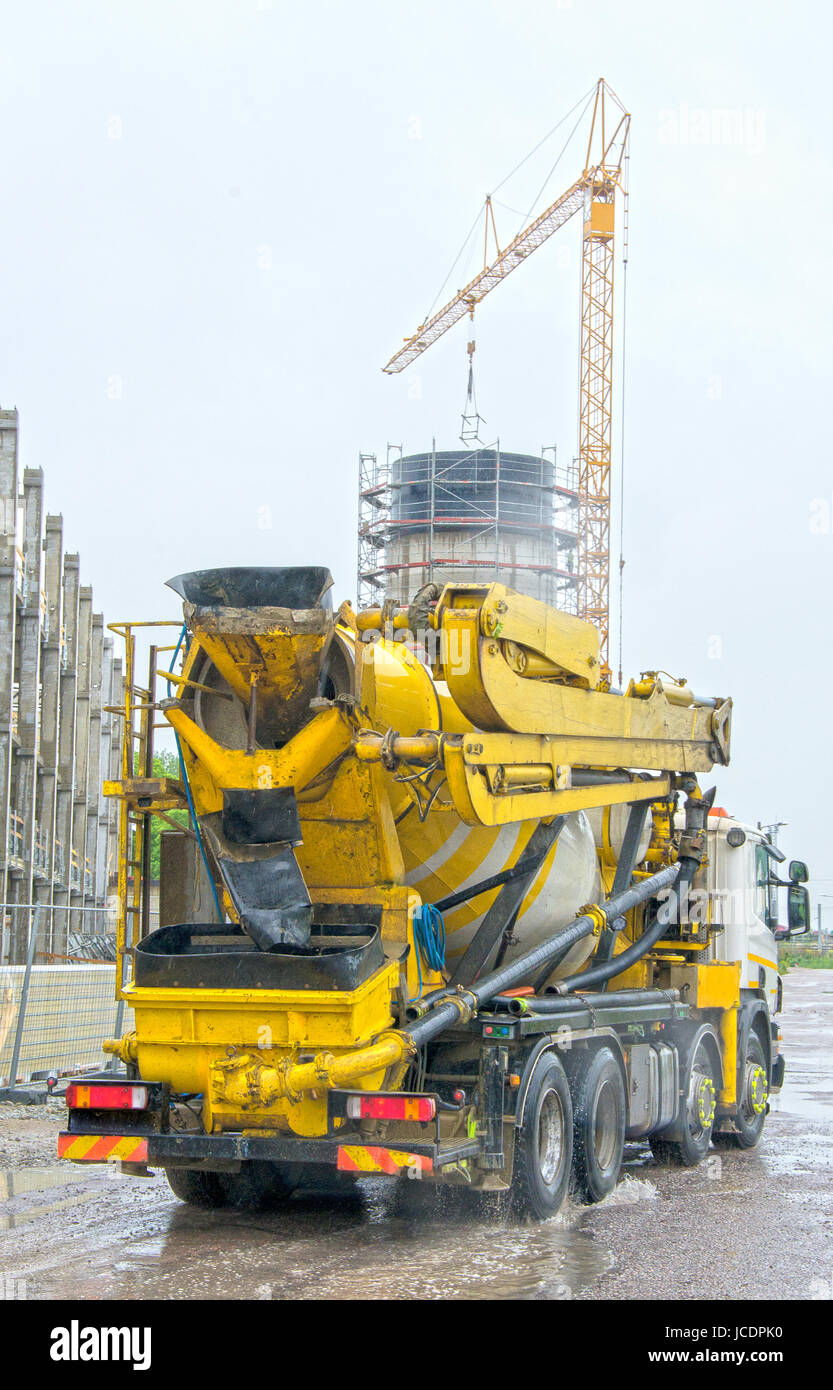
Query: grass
(807, 955)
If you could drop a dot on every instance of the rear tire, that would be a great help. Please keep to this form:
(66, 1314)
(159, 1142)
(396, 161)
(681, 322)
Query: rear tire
(749, 1121)
(544, 1143)
(695, 1124)
(196, 1188)
(599, 1110)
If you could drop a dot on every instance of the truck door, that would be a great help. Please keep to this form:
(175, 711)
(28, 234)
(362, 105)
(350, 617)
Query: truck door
(761, 965)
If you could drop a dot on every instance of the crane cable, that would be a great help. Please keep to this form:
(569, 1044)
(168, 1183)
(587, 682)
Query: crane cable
(527, 219)
(583, 101)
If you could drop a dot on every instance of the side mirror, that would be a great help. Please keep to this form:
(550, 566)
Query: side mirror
(798, 909)
(798, 871)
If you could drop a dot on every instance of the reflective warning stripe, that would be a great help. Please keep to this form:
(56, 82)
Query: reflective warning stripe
(360, 1158)
(98, 1148)
(763, 960)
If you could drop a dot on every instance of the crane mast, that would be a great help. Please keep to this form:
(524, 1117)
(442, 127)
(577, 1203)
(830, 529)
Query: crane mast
(596, 378)
(594, 194)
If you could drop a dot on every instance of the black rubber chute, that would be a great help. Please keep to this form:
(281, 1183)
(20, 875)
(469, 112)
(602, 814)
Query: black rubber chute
(265, 885)
(270, 897)
(261, 817)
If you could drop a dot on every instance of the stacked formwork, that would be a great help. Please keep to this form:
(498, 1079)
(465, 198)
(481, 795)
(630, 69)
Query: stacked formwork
(58, 681)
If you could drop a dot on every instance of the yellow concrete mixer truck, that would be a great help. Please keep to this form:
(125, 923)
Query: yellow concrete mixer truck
(446, 906)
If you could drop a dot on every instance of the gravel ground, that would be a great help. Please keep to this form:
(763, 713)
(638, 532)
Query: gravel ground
(743, 1225)
(27, 1133)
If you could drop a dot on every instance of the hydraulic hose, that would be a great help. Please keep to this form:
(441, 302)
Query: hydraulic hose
(446, 1011)
(597, 974)
(621, 998)
(554, 949)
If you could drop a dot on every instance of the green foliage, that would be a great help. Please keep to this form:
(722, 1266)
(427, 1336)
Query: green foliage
(805, 955)
(165, 764)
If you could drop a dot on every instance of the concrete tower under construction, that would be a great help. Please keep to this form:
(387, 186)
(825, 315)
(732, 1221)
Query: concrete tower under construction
(467, 516)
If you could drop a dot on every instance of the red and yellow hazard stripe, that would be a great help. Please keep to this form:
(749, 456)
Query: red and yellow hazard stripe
(366, 1158)
(98, 1148)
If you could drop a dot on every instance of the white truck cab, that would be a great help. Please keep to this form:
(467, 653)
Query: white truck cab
(738, 888)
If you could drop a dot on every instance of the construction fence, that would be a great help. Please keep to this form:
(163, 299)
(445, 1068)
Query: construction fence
(57, 1007)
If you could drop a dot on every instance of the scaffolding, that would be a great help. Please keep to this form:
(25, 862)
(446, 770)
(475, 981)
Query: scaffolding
(476, 515)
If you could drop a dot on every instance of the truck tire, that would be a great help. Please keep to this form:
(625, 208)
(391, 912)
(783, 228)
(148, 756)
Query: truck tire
(197, 1188)
(259, 1184)
(694, 1125)
(599, 1116)
(544, 1142)
(749, 1121)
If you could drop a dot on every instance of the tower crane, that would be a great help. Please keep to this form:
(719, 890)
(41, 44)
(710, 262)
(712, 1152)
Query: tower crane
(593, 193)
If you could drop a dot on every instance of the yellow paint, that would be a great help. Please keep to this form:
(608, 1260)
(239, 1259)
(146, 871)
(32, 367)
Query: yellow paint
(600, 222)
(181, 1035)
(124, 1149)
(715, 985)
(523, 707)
(763, 960)
(729, 1046)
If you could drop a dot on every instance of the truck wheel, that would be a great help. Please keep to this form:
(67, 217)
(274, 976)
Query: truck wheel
(260, 1183)
(749, 1121)
(599, 1108)
(544, 1143)
(197, 1188)
(699, 1099)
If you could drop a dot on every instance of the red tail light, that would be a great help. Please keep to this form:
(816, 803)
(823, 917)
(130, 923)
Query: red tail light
(391, 1107)
(94, 1097)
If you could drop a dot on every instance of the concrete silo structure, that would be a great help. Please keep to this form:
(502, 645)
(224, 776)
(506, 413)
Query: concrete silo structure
(467, 516)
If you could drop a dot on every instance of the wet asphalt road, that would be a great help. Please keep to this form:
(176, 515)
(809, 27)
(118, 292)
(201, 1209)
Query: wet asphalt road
(743, 1225)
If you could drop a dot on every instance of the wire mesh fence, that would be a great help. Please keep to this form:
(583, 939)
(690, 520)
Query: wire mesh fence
(59, 1004)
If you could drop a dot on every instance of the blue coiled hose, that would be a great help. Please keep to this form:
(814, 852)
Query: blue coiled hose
(429, 938)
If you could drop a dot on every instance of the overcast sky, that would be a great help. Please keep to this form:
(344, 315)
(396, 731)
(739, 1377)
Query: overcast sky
(219, 219)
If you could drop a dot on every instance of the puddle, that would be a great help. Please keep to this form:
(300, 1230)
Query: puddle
(410, 1242)
(628, 1191)
(811, 1199)
(435, 1244)
(9, 1221)
(809, 1136)
(22, 1182)
(795, 1156)
(379, 1242)
(812, 1100)
(17, 1181)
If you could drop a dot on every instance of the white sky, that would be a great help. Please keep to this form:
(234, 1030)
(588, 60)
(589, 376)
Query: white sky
(157, 155)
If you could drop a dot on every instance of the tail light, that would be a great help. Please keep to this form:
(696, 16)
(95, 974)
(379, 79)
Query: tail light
(391, 1107)
(96, 1097)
